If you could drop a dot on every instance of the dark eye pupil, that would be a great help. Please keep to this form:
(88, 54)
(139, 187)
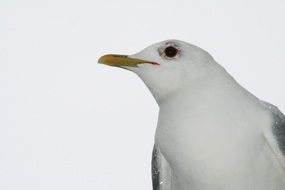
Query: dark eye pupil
(170, 51)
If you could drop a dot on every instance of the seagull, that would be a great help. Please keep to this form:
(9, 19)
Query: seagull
(212, 134)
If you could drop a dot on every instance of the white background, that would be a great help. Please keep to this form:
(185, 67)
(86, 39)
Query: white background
(67, 122)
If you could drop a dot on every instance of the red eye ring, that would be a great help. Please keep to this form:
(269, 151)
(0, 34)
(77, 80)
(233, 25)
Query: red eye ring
(170, 51)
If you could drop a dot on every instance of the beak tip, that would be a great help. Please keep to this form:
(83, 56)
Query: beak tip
(101, 60)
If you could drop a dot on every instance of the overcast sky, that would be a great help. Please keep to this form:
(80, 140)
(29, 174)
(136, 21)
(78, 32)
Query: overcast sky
(67, 122)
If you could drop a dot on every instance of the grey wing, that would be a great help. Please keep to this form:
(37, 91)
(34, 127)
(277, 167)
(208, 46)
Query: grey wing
(161, 171)
(278, 125)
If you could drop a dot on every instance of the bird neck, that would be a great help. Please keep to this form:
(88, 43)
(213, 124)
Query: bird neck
(205, 84)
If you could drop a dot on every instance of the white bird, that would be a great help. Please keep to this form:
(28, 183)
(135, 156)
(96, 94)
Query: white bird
(212, 134)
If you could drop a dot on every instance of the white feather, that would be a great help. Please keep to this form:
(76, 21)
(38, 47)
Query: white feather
(214, 134)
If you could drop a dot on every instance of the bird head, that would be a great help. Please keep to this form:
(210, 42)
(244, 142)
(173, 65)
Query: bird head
(165, 67)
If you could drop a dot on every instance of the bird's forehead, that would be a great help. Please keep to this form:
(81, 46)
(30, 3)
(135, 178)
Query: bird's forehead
(171, 43)
(176, 43)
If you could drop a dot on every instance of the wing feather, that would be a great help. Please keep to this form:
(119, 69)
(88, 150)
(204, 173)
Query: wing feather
(161, 171)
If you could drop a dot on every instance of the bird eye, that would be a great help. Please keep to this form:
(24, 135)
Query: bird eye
(170, 51)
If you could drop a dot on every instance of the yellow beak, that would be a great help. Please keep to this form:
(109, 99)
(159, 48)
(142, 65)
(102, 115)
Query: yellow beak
(122, 60)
